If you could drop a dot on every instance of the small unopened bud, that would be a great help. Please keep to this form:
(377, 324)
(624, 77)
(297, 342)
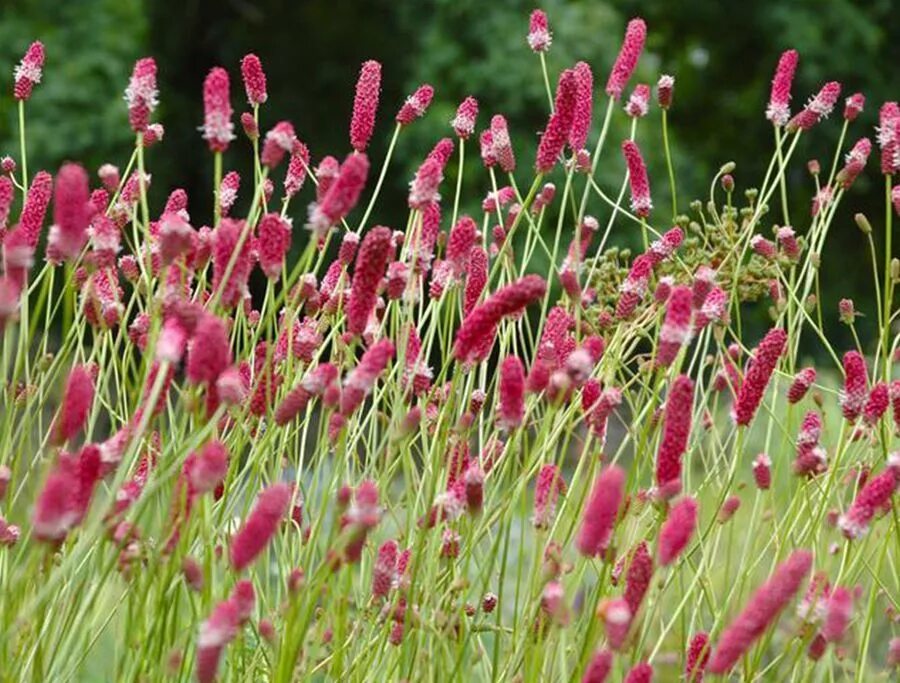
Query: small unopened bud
(728, 168)
(847, 311)
(751, 194)
(810, 303)
(814, 259)
(728, 183)
(863, 223)
(813, 167)
(895, 269)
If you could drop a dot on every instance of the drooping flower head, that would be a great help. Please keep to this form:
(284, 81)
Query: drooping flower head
(803, 380)
(254, 80)
(296, 173)
(141, 94)
(365, 105)
(761, 611)
(626, 61)
(361, 380)
(874, 496)
(637, 177)
(779, 109)
(818, 108)
(280, 140)
(218, 130)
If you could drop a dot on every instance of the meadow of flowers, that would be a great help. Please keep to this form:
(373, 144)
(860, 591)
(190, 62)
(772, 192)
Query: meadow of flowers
(502, 446)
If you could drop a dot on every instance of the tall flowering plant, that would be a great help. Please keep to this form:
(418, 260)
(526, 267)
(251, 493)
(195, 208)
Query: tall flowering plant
(493, 445)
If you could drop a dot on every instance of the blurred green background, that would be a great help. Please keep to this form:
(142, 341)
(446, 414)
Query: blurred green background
(722, 55)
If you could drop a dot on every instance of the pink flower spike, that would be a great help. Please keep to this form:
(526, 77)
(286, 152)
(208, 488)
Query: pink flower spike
(274, 242)
(209, 351)
(141, 94)
(66, 496)
(762, 471)
(856, 386)
(29, 71)
(779, 111)
(818, 108)
(501, 146)
(511, 387)
(676, 328)
(254, 80)
(626, 61)
(601, 512)
(416, 105)
(342, 195)
(35, 210)
(218, 130)
(539, 36)
(874, 496)
(676, 432)
(640, 673)
(803, 380)
(76, 404)
(384, 571)
(638, 577)
(365, 105)
(281, 140)
(756, 379)
(296, 173)
(559, 126)
(206, 469)
(361, 380)
(71, 212)
(259, 527)
(665, 87)
(599, 667)
(466, 114)
(371, 261)
(423, 188)
(697, 658)
(637, 176)
(584, 105)
(639, 102)
(853, 106)
(761, 611)
(838, 612)
(677, 531)
(617, 620)
(228, 191)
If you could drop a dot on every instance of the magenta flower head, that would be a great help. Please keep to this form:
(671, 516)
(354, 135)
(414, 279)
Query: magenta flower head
(761, 611)
(626, 62)
(71, 212)
(676, 328)
(634, 287)
(221, 628)
(697, 658)
(874, 496)
(415, 105)
(889, 137)
(371, 261)
(296, 173)
(640, 673)
(28, 73)
(584, 106)
(384, 571)
(227, 242)
(803, 380)
(559, 126)
(273, 243)
(262, 523)
(361, 380)
(638, 577)
(601, 512)
(342, 194)
(365, 105)
(762, 471)
(676, 432)
(66, 496)
(141, 94)
(218, 130)
(637, 177)
(838, 612)
(549, 487)
(279, 141)
(254, 80)
(228, 191)
(476, 278)
(463, 236)
(423, 188)
(466, 115)
(639, 102)
(209, 351)
(677, 530)
(501, 145)
(539, 36)
(599, 667)
(818, 108)
(757, 376)
(855, 162)
(779, 109)
(511, 387)
(665, 88)
(855, 392)
(76, 404)
(475, 336)
(207, 468)
(853, 106)
(617, 620)
(35, 210)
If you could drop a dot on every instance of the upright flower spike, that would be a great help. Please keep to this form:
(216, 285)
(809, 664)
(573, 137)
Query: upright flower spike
(874, 496)
(227, 241)
(254, 80)
(818, 108)
(141, 94)
(476, 334)
(415, 105)
(423, 188)
(262, 523)
(365, 105)
(384, 571)
(559, 126)
(697, 658)
(361, 380)
(66, 496)
(476, 279)
(761, 611)
(296, 173)
(228, 191)
(209, 351)
(273, 244)
(218, 130)
(35, 209)
(549, 487)
(640, 673)
(638, 577)
(511, 387)
(889, 137)
(281, 140)
(539, 36)
(639, 102)
(29, 71)
(853, 106)
(584, 106)
(676, 328)
(637, 177)
(803, 380)
(677, 531)
(501, 145)
(757, 377)
(779, 109)
(599, 667)
(855, 392)
(665, 88)
(626, 61)
(371, 261)
(466, 115)
(601, 512)
(342, 194)
(676, 432)
(76, 404)
(762, 471)
(71, 212)
(221, 628)
(838, 612)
